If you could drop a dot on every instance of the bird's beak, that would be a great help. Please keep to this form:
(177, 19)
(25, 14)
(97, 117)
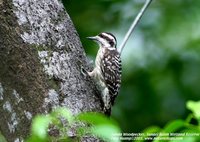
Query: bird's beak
(92, 38)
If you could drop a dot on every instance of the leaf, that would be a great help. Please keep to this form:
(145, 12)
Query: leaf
(102, 126)
(95, 118)
(106, 132)
(174, 126)
(189, 135)
(64, 113)
(2, 138)
(194, 107)
(39, 126)
(152, 129)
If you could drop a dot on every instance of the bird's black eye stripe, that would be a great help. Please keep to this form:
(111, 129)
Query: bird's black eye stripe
(101, 35)
(112, 36)
(104, 37)
(111, 42)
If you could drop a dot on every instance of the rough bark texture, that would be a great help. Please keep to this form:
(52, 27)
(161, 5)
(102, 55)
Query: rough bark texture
(40, 60)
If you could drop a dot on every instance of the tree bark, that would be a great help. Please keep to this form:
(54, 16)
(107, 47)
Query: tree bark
(40, 61)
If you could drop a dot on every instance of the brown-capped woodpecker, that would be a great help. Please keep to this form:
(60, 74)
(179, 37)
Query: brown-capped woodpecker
(107, 71)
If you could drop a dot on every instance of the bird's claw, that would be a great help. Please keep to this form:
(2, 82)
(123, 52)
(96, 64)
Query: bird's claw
(83, 71)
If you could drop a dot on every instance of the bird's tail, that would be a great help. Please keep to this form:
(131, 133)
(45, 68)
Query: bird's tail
(107, 112)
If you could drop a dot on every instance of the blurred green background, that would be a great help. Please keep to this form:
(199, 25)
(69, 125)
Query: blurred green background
(161, 61)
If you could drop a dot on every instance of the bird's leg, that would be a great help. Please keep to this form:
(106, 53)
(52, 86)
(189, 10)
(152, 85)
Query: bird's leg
(92, 74)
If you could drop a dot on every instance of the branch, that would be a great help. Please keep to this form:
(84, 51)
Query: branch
(135, 22)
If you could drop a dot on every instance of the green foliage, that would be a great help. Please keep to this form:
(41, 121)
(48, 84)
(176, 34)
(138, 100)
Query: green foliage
(2, 139)
(39, 128)
(90, 124)
(107, 129)
(180, 129)
(195, 108)
(174, 126)
(102, 126)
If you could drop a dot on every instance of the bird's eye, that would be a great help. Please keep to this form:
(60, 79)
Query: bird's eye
(111, 43)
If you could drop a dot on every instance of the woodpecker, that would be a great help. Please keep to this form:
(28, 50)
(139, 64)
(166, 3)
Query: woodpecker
(107, 71)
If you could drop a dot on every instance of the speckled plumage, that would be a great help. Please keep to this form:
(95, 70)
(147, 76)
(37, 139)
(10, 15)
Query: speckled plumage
(107, 71)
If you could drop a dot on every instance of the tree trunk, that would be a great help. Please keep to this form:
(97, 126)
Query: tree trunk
(40, 61)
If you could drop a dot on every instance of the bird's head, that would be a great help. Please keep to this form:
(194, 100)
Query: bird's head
(105, 39)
